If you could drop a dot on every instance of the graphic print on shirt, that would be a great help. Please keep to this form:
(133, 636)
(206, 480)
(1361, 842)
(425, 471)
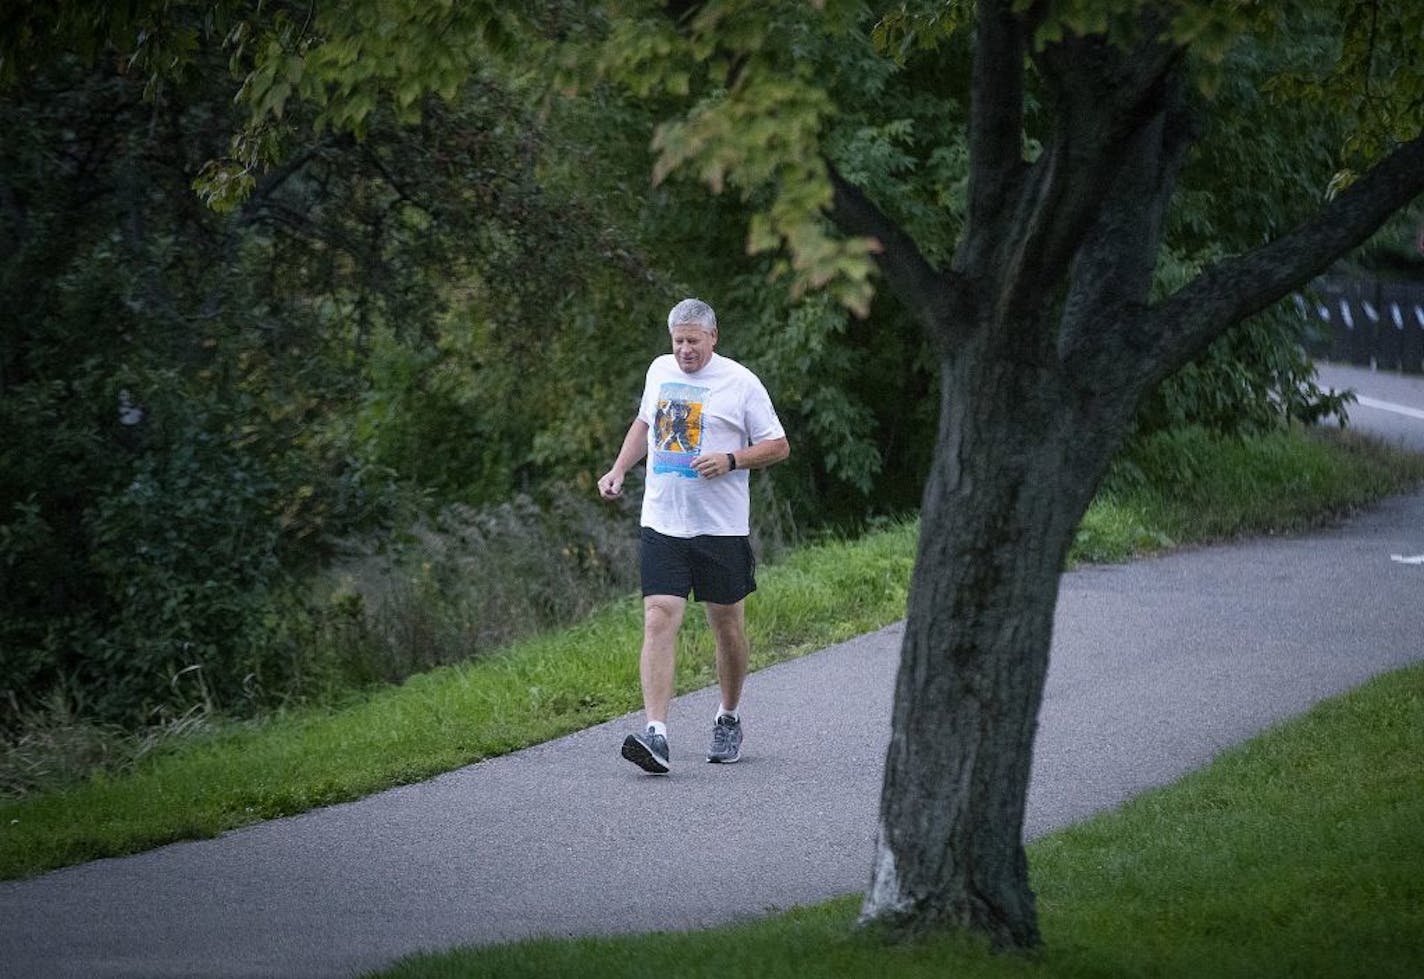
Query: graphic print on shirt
(677, 429)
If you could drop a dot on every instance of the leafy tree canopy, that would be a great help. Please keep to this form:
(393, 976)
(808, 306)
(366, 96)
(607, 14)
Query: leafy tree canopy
(1067, 200)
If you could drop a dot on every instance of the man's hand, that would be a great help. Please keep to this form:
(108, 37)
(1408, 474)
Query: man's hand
(712, 464)
(610, 485)
(635, 446)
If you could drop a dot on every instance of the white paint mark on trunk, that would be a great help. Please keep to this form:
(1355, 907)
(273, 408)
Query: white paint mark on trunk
(884, 894)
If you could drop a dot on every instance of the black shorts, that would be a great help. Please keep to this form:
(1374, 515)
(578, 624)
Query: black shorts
(720, 570)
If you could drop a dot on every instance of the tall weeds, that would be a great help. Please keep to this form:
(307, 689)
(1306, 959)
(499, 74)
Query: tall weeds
(465, 581)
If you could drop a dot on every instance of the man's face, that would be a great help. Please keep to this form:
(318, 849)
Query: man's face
(692, 346)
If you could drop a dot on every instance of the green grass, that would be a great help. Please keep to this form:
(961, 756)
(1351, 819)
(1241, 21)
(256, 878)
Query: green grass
(553, 684)
(536, 690)
(1299, 853)
(1188, 487)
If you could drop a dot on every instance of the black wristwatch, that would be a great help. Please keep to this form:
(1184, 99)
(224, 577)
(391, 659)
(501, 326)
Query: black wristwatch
(731, 461)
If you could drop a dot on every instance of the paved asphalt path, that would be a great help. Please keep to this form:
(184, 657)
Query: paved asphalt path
(1156, 667)
(1390, 406)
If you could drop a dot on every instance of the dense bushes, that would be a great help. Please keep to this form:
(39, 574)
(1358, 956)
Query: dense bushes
(458, 584)
(350, 430)
(199, 408)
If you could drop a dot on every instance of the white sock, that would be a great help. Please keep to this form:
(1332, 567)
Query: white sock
(658, 727)
(729, 713)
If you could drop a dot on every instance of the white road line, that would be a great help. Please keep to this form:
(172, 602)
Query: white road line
(1390, 406)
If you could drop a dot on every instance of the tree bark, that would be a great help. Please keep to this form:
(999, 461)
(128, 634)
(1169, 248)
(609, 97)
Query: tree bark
(1014, 471)
(1024, 440)
(1047, 342)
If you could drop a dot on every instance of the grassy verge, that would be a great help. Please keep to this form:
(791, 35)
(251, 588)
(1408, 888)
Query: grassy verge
(1187, 487)
(564, 681)
(1296, 854)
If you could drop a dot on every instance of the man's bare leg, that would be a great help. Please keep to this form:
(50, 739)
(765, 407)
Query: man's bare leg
(662, 617)
(729, 627)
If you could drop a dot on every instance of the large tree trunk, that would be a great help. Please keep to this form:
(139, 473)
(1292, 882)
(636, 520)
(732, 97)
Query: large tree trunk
(1014, 470)
(1033, 406)
(1047, 340)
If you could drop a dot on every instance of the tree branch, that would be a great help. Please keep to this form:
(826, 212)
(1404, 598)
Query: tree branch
(996, 110)
(1184, 323)
(1105, 102)
(272, 181)
(1111, 274)
(402, 194)
(925, 290)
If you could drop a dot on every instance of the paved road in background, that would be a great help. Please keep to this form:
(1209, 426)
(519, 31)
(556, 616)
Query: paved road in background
(1157, 666)
(1390, 405)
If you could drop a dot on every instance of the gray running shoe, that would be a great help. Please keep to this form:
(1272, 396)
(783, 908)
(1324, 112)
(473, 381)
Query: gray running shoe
(648, 751)
(726, 740)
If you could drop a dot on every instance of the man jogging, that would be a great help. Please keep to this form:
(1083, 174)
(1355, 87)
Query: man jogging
(705, 421)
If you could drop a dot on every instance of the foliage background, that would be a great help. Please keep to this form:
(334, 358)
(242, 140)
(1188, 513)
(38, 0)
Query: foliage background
(346, 426)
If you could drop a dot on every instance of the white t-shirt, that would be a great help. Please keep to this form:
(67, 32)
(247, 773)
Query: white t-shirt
(721, 408)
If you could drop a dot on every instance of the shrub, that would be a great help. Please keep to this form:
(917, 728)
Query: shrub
(462, 582)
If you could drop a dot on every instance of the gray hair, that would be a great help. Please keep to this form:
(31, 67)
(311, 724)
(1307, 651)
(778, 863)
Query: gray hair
(692, 312)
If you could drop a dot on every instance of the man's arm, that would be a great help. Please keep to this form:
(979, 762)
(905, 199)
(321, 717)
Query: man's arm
(635, 446)
(763, 454)
(757, 456)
